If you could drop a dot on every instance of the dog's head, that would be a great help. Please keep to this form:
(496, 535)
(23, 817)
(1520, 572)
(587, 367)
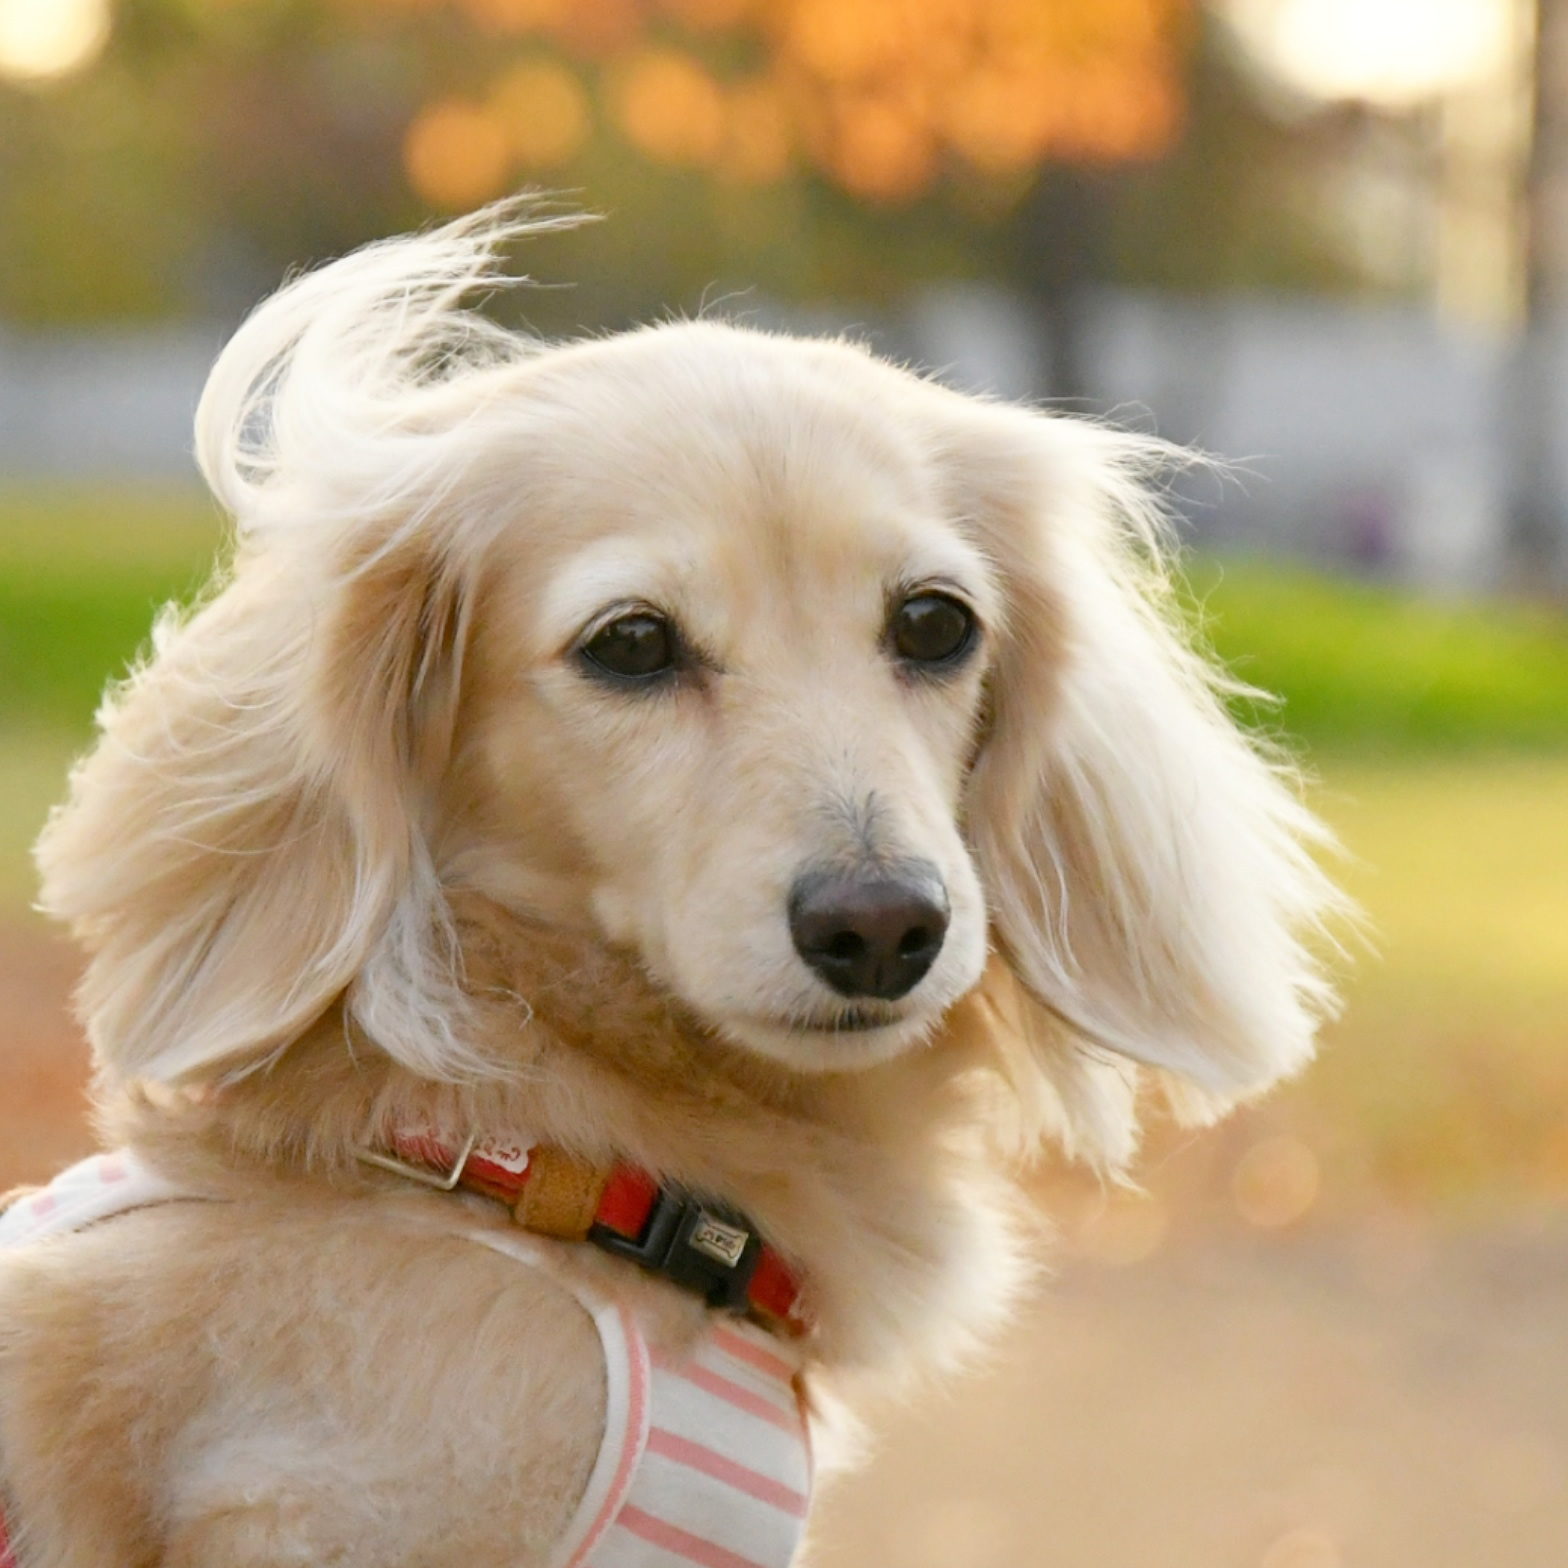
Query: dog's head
(805, 680)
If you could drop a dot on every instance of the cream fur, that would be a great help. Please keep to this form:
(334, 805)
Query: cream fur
(359, 841)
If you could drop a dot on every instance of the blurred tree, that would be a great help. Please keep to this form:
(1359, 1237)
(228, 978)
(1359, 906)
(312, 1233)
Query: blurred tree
(881, 98)
(815, 149)
(894, 105)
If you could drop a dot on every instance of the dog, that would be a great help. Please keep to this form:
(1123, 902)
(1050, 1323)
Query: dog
(583, 919)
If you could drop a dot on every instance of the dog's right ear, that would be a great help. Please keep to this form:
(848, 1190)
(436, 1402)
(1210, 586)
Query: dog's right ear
(247, 843)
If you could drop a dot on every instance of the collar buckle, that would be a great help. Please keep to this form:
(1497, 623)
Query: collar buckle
(442, 1181)
(702, 1247)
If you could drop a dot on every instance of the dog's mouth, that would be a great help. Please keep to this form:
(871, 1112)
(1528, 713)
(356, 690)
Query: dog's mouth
(830, 1039)
(848, 1020)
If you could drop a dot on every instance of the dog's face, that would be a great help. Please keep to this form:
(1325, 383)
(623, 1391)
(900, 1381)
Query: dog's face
(733, 659)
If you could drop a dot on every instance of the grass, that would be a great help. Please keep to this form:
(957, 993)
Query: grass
(82, 572)
(1440, 729)
(1373, 670)
(81, 575)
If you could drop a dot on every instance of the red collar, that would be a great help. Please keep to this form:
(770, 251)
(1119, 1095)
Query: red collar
(704, 1247)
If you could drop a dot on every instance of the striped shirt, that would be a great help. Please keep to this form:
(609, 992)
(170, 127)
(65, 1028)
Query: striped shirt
(705, 1460)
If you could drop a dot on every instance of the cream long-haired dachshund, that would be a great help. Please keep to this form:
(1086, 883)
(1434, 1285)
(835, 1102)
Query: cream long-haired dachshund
(582, 918)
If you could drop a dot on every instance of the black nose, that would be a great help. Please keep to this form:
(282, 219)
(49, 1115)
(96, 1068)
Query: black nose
(869, 936)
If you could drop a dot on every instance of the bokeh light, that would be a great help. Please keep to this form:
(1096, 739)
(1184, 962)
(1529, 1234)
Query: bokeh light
(999, 119)
(1243, 235)
(845, 43)
(882, 151)
(757, 143)
(545, 111)
(457, 155)
(1275, 1182)
(40, 39)
(517, 16)
(1381, 51)
(670, 108)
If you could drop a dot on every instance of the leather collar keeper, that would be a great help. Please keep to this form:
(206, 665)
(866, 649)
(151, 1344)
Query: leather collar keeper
(705, 1248)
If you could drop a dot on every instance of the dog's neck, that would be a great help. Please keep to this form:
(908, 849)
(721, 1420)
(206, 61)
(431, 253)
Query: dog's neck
(874, 1182)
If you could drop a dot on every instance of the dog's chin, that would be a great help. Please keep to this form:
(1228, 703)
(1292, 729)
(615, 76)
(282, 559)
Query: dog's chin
(838, 1040)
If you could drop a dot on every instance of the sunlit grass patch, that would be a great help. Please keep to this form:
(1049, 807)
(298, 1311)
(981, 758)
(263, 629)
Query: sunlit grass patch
(77, 532)
(1463, 864)
(82, 573)
(83, 570)
(1375, 669)
(1448, 1074)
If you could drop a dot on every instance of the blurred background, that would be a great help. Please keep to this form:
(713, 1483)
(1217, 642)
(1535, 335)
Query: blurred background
(1326, 240)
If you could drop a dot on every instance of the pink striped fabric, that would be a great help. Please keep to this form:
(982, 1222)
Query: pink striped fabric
(695, 1457)
(764, 1358)
(705, 1460)
(724, 1478)
(670, 1540)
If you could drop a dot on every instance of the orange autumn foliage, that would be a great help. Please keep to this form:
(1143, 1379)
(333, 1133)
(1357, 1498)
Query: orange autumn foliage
(879, 96)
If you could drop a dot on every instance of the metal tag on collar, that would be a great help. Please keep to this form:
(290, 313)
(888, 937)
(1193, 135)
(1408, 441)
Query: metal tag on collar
(715, 1239)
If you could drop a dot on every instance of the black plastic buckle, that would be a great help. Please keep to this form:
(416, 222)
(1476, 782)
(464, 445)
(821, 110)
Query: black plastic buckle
(702, 1247)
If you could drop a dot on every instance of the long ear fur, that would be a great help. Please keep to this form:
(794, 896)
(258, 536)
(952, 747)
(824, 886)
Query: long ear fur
(247, 842)
(1148, 867)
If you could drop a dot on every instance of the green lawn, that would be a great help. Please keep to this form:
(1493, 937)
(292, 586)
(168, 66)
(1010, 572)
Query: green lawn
(1374, 670)
(81, 574)
(1440, 732)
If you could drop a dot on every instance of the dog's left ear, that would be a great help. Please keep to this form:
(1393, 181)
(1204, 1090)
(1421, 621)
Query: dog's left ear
(1147, 869)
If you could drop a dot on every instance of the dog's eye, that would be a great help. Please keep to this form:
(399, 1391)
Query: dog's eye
(931, 628)
(635, 647)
